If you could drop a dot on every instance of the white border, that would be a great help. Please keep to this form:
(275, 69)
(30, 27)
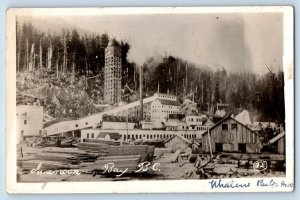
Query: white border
(157, 186)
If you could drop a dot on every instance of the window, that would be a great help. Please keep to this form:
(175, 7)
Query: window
(224, 127)
(86, 123)
(234, 127)
(87, 135)
(76, 125)
(219, 147)
(25, 121)
(92, 135)
(22, 131)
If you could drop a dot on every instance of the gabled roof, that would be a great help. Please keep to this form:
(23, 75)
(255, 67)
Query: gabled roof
(169, 102)
(244, 117)
(183, 138)
(114, 136)
(224, 119)
(206, 120)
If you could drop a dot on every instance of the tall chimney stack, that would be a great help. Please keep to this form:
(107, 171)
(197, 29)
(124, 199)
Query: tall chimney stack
(141, 94)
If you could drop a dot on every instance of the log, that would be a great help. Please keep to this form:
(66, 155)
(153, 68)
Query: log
(176, 156)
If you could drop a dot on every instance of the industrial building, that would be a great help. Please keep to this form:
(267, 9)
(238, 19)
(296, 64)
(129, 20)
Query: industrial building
(230, 135)
(112, 73)
(29, 122)
(131, 110)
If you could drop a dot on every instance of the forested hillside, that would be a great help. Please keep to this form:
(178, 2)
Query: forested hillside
(64, 72)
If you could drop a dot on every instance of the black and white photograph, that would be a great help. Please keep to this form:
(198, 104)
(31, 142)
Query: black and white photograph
(161, 94)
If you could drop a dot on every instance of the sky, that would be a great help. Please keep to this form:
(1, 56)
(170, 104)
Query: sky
(237, 41)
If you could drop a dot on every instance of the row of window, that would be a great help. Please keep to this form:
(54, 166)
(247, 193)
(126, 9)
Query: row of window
(92, 135)
(233, 127)
(198, 128)
(192, 120)
(112, 59)
(112, 70)
(155, 136)
(112, 64)
(167, 96)
(170, 107)
(165, 111)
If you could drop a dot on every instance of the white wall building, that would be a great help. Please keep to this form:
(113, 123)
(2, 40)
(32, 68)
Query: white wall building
(29, 121)
(138, 134)
(93, 120)
(99, 135)
(193, 120)
(161, 108)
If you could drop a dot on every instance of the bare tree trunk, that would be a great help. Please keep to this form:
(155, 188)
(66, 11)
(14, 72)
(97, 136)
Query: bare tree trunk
(26, 63)
(49, 56)
(41, 55)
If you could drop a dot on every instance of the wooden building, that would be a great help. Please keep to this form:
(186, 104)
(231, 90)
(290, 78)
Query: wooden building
(230, 135)
(279, 143)
(180, 142)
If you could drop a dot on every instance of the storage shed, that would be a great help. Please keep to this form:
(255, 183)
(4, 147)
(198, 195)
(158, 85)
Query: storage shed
(230, 135)
(179, 142)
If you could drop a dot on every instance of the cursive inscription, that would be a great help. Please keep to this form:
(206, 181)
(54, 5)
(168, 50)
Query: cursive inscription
(142, 167)
(38, 171)
(110, 168)
(231, 184)
(273, 184)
